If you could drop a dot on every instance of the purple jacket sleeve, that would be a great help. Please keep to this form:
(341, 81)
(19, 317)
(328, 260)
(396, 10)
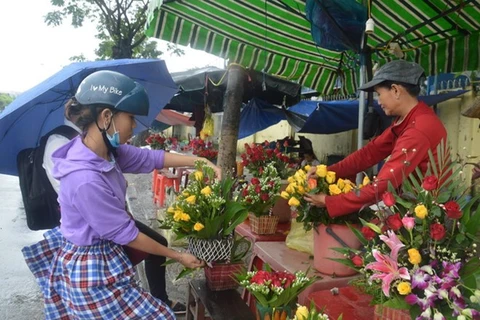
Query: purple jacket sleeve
(104, 212)
(137, 160)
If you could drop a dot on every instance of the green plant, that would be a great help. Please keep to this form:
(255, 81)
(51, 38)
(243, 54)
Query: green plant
(206, 209)
(421, 252)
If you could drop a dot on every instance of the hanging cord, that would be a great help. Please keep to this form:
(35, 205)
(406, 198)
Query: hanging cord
(264, 84)
(233, 64)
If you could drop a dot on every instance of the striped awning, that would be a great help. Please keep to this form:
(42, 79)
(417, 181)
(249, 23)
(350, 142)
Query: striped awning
(274, 36)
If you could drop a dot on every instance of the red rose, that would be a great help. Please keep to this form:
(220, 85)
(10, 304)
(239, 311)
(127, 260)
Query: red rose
(394, 222)
(260, 170)
(357, 261)
(437, 231)
(430, 183)
(255, 181)
(244, 192)
(260, 277)
(453, 210)
(264, 196)
(388, 198)
(368, 233)
(258, 189)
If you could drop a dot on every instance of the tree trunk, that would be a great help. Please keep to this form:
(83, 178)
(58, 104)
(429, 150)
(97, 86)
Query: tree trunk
(232, 103)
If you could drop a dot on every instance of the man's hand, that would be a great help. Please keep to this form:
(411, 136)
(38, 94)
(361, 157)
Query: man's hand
(476, 172)
(317, 200)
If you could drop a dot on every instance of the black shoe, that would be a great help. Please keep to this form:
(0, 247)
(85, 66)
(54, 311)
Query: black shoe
(177, 307)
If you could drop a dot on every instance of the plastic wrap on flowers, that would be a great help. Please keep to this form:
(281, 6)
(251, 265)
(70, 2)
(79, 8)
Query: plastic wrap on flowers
(263, 224)
(211, 249)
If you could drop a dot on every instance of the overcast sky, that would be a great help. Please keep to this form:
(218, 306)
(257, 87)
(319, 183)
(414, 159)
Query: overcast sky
(31, 51)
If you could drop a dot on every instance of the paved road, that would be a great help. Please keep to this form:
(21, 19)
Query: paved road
(20, 298)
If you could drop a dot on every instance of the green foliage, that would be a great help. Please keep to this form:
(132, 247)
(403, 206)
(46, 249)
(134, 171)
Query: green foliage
(5, 100)
(119, 24)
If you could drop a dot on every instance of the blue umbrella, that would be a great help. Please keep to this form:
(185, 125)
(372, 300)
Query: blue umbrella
(40, 109)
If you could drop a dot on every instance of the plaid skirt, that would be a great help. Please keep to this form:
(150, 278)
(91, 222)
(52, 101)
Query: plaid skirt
(89, 282)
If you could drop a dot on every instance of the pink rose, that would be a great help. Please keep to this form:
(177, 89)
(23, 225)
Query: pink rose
(408, 222)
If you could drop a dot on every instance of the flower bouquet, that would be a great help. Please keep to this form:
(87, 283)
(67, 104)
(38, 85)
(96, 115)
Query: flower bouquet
(304, 313)
(258, 197)
(325, 182)
(156, 141)
(421, 254)
(257, 156)
(206, 213)
(203, 149)
(275, 292)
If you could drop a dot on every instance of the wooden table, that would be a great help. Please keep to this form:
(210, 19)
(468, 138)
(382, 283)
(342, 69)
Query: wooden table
(244, 230)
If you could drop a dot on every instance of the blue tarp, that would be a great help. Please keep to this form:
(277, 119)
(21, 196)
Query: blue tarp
(321, 117)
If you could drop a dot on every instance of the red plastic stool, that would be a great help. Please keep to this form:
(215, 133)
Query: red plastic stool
(164, 179)
(154, 181)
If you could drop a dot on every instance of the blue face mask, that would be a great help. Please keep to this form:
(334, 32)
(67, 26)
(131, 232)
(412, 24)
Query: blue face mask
(115, 139)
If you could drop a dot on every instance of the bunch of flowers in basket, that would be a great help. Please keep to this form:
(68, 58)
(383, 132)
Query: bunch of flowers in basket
(421, 253)
(156, 141)
(206, 208)
(260, 194)
(324, 182)
(203, 149)
(275, 289)
(257, 156)
(304, 313)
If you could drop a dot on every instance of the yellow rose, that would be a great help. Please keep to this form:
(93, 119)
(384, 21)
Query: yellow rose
(421, 211)
(307, 168)
(291, 179)
(291, 188)
(191, 199)
(366, 180)
(404, 288)
(321, 171)
(178, 215)
(170, 210)
(206, 191)
(293, 202)
(341, 183)
(185, 217)
(198, 226)
(347, 181)
(347, 188)
(284, 195)
(198, 175)
(302, 313)
(334, 189)
(185, 193)
(414, 256)
(300, 189)
(330, 177)
(300, 176)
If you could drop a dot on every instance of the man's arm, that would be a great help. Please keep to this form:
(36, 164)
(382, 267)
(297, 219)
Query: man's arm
(410, 150)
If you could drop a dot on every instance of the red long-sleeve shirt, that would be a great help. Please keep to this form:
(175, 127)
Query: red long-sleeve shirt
(407, 144)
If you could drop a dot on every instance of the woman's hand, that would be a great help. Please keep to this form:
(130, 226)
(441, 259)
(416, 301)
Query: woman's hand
(218, 171)
(317, 200)
(189, 260)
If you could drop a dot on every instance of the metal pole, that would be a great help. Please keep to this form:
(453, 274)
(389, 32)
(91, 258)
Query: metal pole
(361, 111)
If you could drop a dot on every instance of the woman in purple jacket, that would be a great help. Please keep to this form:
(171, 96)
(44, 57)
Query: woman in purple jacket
(89, 276)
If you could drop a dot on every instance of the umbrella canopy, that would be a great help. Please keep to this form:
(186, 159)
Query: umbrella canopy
(275, 36)
(209, 84)
(40, 109)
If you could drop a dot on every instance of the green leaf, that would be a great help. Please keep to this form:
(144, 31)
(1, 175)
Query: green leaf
(185, 272)
(444, 197)
(358, 234)
(436, 211)
(474, 222)
(397, 302)
(460, 238)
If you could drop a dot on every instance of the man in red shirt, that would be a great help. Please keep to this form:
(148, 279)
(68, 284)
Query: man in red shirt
(415, 130)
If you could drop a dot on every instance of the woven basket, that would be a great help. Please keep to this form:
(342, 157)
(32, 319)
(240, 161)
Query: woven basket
(222, 276)
(211, 249)
(263, 224)
(387, 313)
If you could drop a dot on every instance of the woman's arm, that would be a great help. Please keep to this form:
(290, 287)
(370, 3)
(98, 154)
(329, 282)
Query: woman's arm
(146, 244)
(180, 160)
